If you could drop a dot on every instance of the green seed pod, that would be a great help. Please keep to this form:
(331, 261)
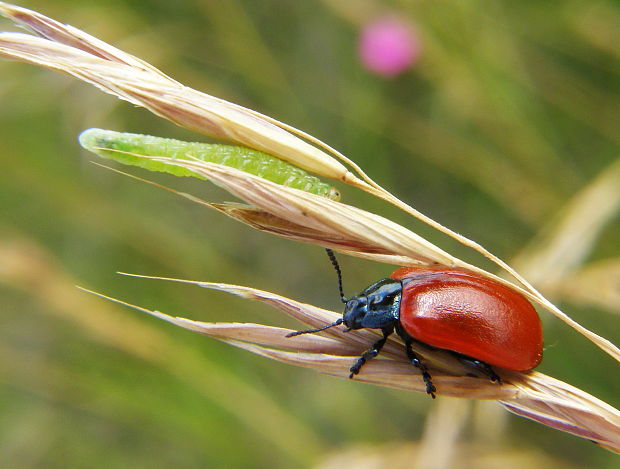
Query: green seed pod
(127, 148)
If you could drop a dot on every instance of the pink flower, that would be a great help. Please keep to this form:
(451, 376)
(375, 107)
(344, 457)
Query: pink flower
(388, 46)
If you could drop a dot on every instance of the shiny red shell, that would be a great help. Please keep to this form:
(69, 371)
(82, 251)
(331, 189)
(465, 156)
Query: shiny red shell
(458, 310)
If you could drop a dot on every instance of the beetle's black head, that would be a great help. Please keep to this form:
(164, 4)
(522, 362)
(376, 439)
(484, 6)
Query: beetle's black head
(376, 307)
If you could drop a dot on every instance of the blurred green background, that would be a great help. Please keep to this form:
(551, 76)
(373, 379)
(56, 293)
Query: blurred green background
(512, 110)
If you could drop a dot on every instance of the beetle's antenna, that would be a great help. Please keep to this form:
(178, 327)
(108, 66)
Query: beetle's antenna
(337, 322)
(312, 331)
(332, 257)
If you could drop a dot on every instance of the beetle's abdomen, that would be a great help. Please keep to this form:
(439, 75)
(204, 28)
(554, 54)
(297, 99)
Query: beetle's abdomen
(456, 310)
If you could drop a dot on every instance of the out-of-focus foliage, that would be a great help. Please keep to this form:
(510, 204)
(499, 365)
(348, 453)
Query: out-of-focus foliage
(512, 109)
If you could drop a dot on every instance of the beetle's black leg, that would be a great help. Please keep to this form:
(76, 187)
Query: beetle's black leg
(479, 365)
(415, 361)
(371, 352)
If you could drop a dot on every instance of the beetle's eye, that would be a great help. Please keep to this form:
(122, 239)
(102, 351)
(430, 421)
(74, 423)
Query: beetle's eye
(376, 299)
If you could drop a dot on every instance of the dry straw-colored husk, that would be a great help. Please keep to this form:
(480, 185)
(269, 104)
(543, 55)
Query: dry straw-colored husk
(532, 395)
(305, 217)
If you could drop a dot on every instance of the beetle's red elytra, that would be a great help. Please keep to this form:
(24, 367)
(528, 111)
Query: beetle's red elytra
(479, 320)
(472, 315)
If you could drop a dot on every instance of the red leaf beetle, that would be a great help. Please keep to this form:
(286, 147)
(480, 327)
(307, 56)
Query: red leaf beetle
(482, 322)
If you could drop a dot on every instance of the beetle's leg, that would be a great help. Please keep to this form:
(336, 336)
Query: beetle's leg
(371, 352)
(415, 361)
(479, 365)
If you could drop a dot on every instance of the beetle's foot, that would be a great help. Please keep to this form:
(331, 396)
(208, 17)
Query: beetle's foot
(355, 369)
(480, 366)
(494, 376)
(370, 353)
(426, 376)
(430, 387)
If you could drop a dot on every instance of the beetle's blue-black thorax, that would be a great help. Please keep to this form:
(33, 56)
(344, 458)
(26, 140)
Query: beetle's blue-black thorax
(377, 307)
